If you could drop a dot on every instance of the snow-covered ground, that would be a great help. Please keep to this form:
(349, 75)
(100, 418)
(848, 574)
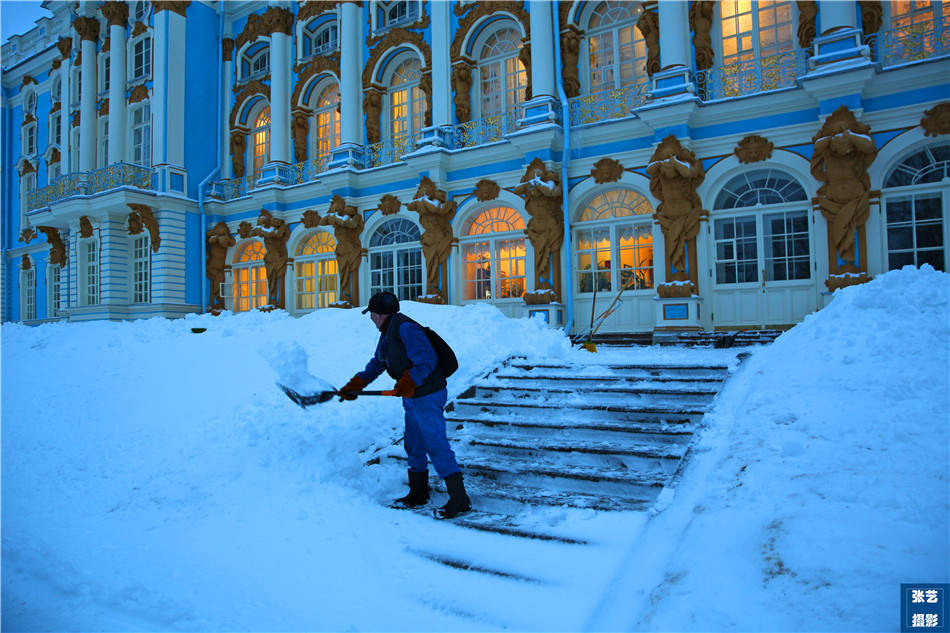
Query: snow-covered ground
(156, 479)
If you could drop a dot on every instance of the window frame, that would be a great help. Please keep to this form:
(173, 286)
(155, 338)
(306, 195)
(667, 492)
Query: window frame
(413, 247)
(145, 125)
(503, 60)
(493, 238)
(54, 285)
(256, 275)
(756, 35)
(413, 120)
(90, 283)
(28, 293)
(310, 288)
(331, 110)
(637, 42)
(147, 59)
(30, 142)
(141, 264)
(259, 136)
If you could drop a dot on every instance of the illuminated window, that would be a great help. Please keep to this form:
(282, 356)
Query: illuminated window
(395, 258)
(327, 129)
(316, 271)
(493, 256)
(502, 75)
(766, 230)
(618, 52)
(261, 141)
(909, 13)
(755, 29)
(249, 277)
(614, 243)
(915, 225)
(406, 102)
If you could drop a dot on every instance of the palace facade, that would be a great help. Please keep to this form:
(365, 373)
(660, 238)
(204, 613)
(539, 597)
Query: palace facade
(718, 165)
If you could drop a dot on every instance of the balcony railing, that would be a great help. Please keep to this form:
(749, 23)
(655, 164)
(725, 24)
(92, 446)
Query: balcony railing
(386, 152)
(489, 129)
(751, 76)
(608, 104)
(90, 182)
(307, 170)
(233, 188)
(909, 44)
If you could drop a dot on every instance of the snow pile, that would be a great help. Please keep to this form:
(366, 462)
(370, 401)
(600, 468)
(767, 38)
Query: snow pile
(821, 482)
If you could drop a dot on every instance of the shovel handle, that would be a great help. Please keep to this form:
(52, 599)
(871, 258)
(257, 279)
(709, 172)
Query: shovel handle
(389, 392)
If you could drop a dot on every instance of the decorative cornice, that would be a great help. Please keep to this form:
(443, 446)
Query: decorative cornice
(88, 28)
(27, 168)
(248, 90)
(312, 68)
(139, 28)
(139, 93)
(27, 235)
(936, 120)
(227, 49)
(178, 6)
(754, 149)
(115, 13)
(872, 15)
(606, 170)
(104, 107)
(28, 79)
(75, 121)
(54, 157)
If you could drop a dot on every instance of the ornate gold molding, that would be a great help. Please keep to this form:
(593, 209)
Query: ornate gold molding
(65, 46)
(541, 189)
(435, 215)
(139, 93)
(310, 219)
(314, 8)
(299, 126)
(317, 65)
(389, 204)
(27, 168)
(936, 120)
(395, 38)
(54, 157)
(649, 27)
(147, 217)
(25, 263)
(254, 28)
(248, 90)
(245, 229)
(754, 149)
(57, 249)
(227, 49)
(279, 20)
(27, 235)
(85, 227)
(606, 170)
(76, 118)
(88, 28)
(139, 28)
(347, 226)
(481, 10)
(486, 190)
(177, 6)
(237, 146)
(104, 107)
(28, 79)
(701, 21)
(872, 16)
(115, 13)
(807, 11)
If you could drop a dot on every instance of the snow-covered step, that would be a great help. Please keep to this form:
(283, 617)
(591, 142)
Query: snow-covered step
(592, 411)
(605, 395)
(596, 380)
(619, 370)
(506, 498)
(488, 427)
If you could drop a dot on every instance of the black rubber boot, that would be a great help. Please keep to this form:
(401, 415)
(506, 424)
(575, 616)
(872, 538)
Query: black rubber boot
(418, 490)
(458, 500)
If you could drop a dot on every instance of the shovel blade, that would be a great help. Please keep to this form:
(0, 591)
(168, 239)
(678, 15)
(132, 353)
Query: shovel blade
(304, 401)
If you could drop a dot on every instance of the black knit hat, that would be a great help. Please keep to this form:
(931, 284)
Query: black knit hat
(383, 303)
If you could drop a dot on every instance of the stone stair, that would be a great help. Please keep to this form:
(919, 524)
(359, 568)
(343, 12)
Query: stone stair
(735, 338)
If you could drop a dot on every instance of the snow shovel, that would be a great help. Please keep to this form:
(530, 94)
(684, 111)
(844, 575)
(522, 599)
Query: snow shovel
(306, 400)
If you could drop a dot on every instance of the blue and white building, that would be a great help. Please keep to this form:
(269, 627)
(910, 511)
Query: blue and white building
(133, 129)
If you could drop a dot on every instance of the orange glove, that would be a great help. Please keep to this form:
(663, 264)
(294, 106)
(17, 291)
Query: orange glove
(405, 387)
(348, 391)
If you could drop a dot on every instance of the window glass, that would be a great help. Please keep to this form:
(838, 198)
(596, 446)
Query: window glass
(494, 263)
(327, 129)
(786, 246)
(396, 262)
(757, 187)
(142, 58)
(141, 136)
(915, 231)
(316, 272)
(503, 78)
(91, 261)
(249, 277)
(617, 49)
(755, 29)
(140, 270)
(407, 102)
(736, 250)
(261, 140)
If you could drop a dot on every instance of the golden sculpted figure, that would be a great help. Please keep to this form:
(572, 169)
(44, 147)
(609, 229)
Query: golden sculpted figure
(843, 152)
(347, 226)
(275, 234)
(435, 215)
(675, 173)
(219, 240)
(541, 189)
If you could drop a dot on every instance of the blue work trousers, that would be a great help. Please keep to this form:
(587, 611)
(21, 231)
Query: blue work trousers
(425, 434)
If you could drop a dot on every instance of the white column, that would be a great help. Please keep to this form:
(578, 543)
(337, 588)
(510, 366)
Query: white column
(674, 34)
(168, 93)
(65, 163)
(159, 98)
(350, 75)
(542, 49)
(227, 78)
(88, 29)
(834, 14)
(280, 97)
(117, 104)
(441, 88)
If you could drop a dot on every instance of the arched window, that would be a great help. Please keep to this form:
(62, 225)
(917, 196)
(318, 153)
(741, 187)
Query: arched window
(618, 52)
(255, 61)
(763, 226)
(916, 195)
(502, 77)
(324, 41)
(327, 128)
(316, 271)
(753, 30)
(493, 255)
(406, 103)
(614, 242)
(56, 92)
(395, 259)
(249, 277)
(29, 102)
(260, 135)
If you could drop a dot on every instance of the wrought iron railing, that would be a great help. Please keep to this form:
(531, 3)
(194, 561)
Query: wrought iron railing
(608, 104)
(118, 175)
(488, 129)
(233, 188)
(909, 44)
(307, 170)
(386, 152)
(89, 182)
(751, 76)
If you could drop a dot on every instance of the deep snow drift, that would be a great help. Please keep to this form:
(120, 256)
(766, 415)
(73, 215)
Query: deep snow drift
(155, 479)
